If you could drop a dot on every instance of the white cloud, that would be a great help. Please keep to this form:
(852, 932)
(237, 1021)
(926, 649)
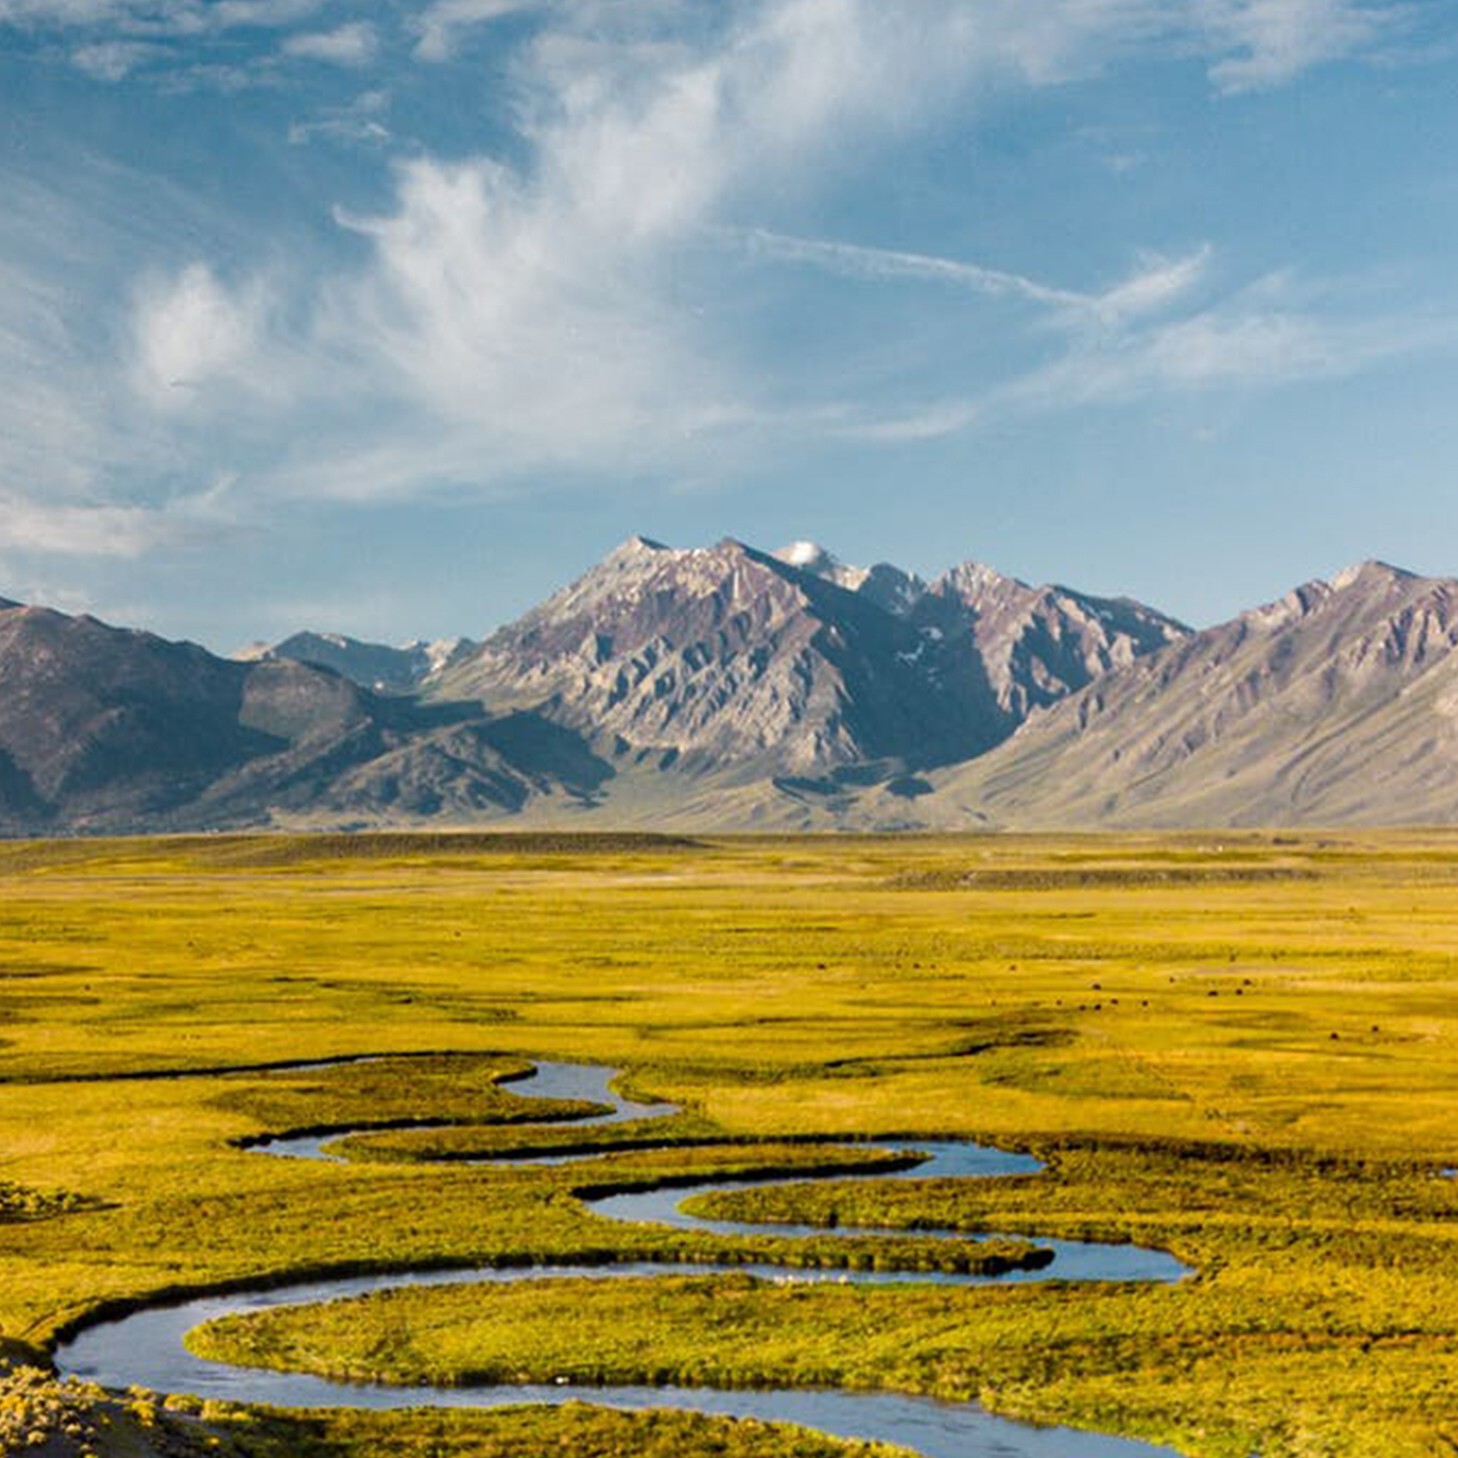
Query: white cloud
(189, 331)
(1250, 345)
(518, 335)
(363, 120)
(97, 530)
(1271, 335)
(884, 265)
(255, 14)
(114, 60)
(441, 24)
(353, 44)
(1275, 40)
(1158, 283)
(563, 306)
(100, 528)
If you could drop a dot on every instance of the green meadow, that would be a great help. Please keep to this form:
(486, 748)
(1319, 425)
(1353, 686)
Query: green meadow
(1239, 1047)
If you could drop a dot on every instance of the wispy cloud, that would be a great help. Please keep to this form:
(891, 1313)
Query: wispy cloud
(443, 23)
(187, 42)
(1157, 283)
(83, 469)
(559, 304)
(363, 120)
(114, 60)
(1273, 334)
(1268, 42)
(891, 265)
(353, 44)
(261, 14)
(1252, 341)
(98, 530)
(190, 332)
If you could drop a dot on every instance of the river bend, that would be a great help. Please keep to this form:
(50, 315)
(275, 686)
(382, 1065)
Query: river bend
(146, 1347)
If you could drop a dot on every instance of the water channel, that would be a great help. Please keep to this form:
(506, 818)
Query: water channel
(146, 1347)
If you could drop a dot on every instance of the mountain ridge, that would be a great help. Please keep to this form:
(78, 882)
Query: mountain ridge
(792, 658)
(376, 666)
(1337, 702)
(726, 687)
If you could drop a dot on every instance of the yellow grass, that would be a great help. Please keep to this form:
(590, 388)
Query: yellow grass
(1239, 1046)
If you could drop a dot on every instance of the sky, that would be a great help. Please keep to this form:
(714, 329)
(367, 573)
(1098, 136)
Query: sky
(389, 318)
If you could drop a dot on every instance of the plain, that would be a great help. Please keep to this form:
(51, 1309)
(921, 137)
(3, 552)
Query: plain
(1240, 1047)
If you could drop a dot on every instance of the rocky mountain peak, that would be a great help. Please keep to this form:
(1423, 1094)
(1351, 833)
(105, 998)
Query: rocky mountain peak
(1369, 582)
(1371, 576)
(635, 549)
(888, 586)
(374, 666)
(1035, 645)
(730, 655)
(973, 582)
(1299, 603)
(722, 652)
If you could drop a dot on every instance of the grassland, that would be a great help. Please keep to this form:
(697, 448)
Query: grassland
(1243, 1049)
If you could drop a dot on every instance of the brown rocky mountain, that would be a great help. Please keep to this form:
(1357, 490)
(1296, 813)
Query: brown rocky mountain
(729, 688)
(106, 729)
(793, 665)
(96, 722)
(707, 658)
(1032, 645)
(1338, 705)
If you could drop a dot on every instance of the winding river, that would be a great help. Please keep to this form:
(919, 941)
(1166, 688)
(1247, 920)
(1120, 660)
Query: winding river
(146, 1347)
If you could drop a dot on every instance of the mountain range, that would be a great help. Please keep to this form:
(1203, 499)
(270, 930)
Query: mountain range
(730, 688)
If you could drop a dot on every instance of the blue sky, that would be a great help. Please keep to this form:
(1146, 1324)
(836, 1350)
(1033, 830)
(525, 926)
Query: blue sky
(388, 318)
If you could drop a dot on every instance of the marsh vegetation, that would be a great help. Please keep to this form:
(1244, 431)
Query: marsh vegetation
(1240, 1050)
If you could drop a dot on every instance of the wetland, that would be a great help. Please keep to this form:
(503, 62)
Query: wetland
(1239, 1052)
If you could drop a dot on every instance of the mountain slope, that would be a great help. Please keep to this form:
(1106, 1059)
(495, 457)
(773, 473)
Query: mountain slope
(792, 664)
(107, 729)
(1338, 703)
(713, 657)
(1032, 645)
(98, 724)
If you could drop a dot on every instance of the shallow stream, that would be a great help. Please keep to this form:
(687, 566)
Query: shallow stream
(146, 1348)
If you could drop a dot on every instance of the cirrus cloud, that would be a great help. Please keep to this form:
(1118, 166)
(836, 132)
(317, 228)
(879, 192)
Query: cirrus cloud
(557, 301)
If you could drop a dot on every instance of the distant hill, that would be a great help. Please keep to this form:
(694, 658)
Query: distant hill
(729, 688)
(1338, 705)
(108, 729)
(371, 665)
